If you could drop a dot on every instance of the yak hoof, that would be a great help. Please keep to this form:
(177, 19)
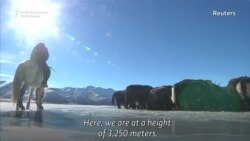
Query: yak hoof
(20, 105)
(40, 107)
(27, 107)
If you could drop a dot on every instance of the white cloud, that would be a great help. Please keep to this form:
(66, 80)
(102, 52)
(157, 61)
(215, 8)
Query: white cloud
(22, 53)
(52, 84)
(7, 58)
(12, 59)
(5, 61)
(6, 77)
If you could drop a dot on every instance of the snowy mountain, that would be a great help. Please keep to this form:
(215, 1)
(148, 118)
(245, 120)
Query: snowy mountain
(5, 89)
(88, 96)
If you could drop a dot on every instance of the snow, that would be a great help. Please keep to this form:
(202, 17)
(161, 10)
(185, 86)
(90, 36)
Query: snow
(49, 91)
(4, 84)
(76, 90)
(95, 97)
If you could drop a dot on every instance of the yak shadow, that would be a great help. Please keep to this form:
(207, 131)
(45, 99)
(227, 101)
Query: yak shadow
(26, 118)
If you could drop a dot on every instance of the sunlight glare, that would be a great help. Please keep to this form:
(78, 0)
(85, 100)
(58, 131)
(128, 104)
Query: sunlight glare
(33, 20)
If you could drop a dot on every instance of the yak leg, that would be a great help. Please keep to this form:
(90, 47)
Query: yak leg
(30, 96)
(39, 98)
(20, 98)
(118, 104)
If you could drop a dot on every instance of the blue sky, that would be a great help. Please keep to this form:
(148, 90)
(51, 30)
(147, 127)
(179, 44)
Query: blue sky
(115, 43)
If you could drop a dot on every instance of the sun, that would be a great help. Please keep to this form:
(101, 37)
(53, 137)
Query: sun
(34, 20)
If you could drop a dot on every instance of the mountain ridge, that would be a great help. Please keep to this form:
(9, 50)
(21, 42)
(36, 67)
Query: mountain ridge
(90, 95)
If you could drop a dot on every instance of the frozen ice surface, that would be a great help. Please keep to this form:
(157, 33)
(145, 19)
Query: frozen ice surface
(67, 121)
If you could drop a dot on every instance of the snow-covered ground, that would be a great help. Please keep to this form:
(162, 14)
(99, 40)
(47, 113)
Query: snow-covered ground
(83, 122)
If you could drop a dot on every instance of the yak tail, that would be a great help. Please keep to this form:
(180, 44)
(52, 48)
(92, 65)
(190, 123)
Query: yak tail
(17, 83)
(113, 99)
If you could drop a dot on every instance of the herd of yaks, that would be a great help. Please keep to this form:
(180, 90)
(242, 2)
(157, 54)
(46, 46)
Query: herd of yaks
(164, 97)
